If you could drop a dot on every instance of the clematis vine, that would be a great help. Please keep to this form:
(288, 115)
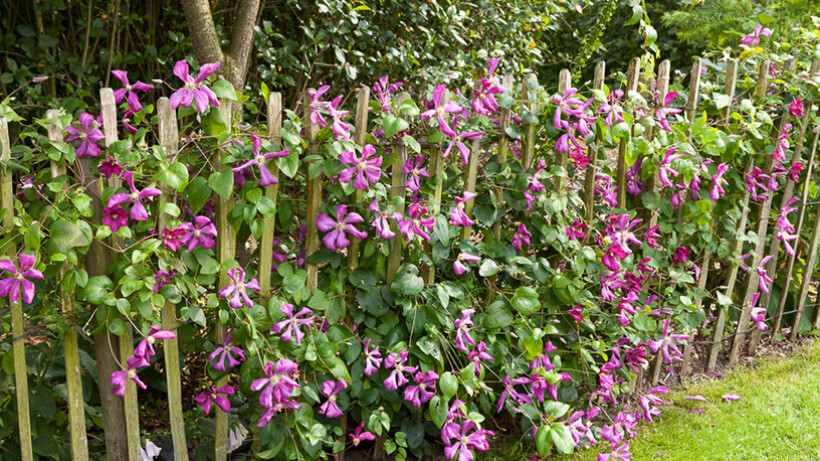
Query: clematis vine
(290, 325)
(417, 223)
(367, 168)
(796, 107)
(665, 344)
(358, 436)
(234, 355)
(717, 182)
(88, 136)
(316, 105)
(163, 278)
(128, 90)
(217, 396)
(665, 168)
(414, 168)
(383, 91)
(521, 237)
(193, 90)
(484, 102)
(198, 233)
(330, 389)
(457, 216)
(753, 39)
(382, 221)
(460, 325)
(145, 348)
(477, 355)
(259, 159)
(440, 108)
(337, 230)
(340, 129)
(758, 314)
(459, 144)
(138, 211)
(278, 384)
(764, 280)
(19, 281)
(237, 292)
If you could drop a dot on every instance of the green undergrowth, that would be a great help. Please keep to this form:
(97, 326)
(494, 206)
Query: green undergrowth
(778, 417)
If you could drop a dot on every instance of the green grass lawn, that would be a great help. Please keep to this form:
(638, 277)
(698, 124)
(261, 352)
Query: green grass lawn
(778, 418)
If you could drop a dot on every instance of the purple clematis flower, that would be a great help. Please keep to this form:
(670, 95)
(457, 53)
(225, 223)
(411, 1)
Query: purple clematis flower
(172, 238)
(383, 91)
(417, 223)
(619, 453)
(88, 135)
(457, 216)
(340, 129)
(764, 279)
(367, 169)
(521, 237)
(665, 343)
(120, 378)
(194, 89)
(372, 359)
(439, 109)
(237, 292)
(465, 441)
(225, 351)
(199, 232)
(665, 167)
(415, 170)
(128, 90)
(758, 314)
(217, 396)
(163, 278)
(796, 107)
(330, 388)
(115, 217)
(717, 180)
(145, 348)
(138, 211)
(266, 178)
(753, 39)
(477, 355)
(358, 436)
(731, 397)
(460, 325)
(459, 267)
(382, 221)
(459, 144)
(315, 104)
(337, 230)
(396, 378)
(509, 390)
(291, 323)
(279, 384)
(19, 281)
(423, 390)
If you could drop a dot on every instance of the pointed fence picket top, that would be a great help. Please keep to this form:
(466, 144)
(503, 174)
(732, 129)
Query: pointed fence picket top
(169, 141)
(631, 87)
(126, 340)
(73, 369)
(17, 327)
(271, 194)
(591, 171)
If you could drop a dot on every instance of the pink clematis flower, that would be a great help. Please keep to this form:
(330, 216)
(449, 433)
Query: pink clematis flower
(337, 230)
(457, 216)
(460, 325)
(291, 323)
(764, 279)
(580, 430)
(758, 314)
(423, 390)
(459, 267)
(279, 383)
(665, 168)
(163, 278)
(753, 39)
(238, 291)
(459, 144)
(731, 397)
(521, 237)
(194, 89)
(698, 397)
(417, 223)
(145, 348)
(199, 233)
(439, 109)
(115, 217)
(138, 211)
(383, 91)
(413, 168)
(796, 107)
(396, 378)
(477, 355)
(89, 136)
(315, 116)
(120, 378)
(225, 351)
(717, 182)
(794, 171)
(266, 178)
(358, 436)
(366, 169)
(217, 396)
(172, 238)
(465, 441)
(372, 359)
(128, 90)
(382, 221)
(330, 389)
(618, 453)
(665, 343)
(19, 281)
(509, 390)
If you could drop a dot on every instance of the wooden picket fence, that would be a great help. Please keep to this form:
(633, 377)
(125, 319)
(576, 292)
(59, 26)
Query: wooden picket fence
(96, 261)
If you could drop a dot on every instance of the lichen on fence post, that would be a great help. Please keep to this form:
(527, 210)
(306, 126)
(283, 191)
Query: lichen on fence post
(169, 141)
(73, 369)
(20, 375)
(564, 82)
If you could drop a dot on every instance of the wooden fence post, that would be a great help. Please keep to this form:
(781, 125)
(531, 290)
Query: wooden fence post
(631, 86)
(589, 180)
(17, 327)
(662, 88)
(314, 201)
(503, 148)
(811, 259)
(528, 99)
(470, 175)
(362, 101)
(74, 385)
(272, 193)
(126, 340)
(169, 140)
(729, 86)
(694, 91)
(398, 186)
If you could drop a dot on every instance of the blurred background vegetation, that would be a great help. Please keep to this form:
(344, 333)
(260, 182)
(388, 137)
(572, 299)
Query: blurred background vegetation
(300, 43)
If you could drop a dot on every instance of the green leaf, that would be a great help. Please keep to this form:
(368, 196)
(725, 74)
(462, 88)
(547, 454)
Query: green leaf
(33, 236)
(222, 183)
(170, 208)
(721, 100)
(651, 200)
(117, 326)
(393, 125)
(765, 18)
(723, 300)
(224, 90)
(266, 206)
(96, 289)
(64, 236)
(562, 437)
(198, 193)
(497, 316)
(412, 143)
(543, 444)
(440, 230)
(214, 123)
(289, 165)
(176, 176)
(448, 384)
(525, 300)
(407, 281)
(488, 268)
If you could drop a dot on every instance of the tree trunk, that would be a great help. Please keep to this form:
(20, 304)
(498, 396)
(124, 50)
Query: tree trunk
(203, 31)
(242, 42)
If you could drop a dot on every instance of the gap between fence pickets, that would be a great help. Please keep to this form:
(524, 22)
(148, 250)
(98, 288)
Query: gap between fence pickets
(18, 347)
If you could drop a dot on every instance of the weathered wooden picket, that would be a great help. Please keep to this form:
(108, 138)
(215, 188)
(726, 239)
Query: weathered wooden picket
(124, 442)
